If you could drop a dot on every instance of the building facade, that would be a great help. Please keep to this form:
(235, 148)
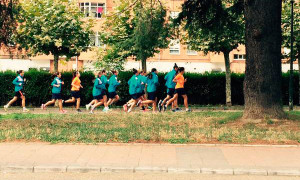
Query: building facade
(176, 53)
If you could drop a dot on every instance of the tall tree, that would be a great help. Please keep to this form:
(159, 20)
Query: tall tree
(53, 26)
(262, 88)
(214, 26)
(9, 11)
(137, 29)
(286, 31)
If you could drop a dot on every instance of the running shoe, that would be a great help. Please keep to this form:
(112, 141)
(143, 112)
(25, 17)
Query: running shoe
(188, 110)
(43, 106)
(78, 110)
(139, 102)
(87, 107)
(106, 109)
(164, 107)
(159, 105)
(25, 110)
(63, 112)
(125, 108)
(91, 112)
(5, 108)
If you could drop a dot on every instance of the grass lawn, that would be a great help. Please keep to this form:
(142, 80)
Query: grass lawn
(195, 127)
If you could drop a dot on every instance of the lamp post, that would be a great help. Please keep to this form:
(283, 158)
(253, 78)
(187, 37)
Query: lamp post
(291, 85)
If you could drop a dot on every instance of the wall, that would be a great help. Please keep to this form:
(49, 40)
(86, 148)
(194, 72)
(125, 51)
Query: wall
(23, 64)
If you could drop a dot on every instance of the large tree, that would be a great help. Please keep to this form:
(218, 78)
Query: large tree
(286, 31)
(53, 26)
(9, 11)
(137, 29)
(214, 26)
(262, 88)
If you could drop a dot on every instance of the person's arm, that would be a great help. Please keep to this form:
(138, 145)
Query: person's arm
(15, 82)
(175, 79)
(166, 77)
(98, 83)
(54, 83)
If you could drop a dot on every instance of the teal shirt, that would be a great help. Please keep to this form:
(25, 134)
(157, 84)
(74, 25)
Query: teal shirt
(155, 78)
(169, 79)
(18, 82)
(56, 81)
(104, 81)
(151, 85)
(97, 89)
(133, 84)
(113, 83)
(141, 87)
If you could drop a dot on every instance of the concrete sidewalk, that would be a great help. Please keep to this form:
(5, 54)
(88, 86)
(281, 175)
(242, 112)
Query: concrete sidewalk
(206, 159)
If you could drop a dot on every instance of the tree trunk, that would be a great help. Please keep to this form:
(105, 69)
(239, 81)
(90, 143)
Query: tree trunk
(298, 52)
(262, 88)
(228, 78)
(55, 63)
(144, 64)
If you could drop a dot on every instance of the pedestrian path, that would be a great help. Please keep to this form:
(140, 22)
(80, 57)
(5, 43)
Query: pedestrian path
(167, 158)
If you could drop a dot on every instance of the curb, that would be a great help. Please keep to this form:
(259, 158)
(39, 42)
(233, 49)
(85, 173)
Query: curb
(95, 169)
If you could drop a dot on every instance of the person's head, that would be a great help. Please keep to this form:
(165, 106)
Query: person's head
(99, 74)
(115, 72)
(21, 72)
(136, 72)
(142, 72)
(175, 67)
(76, 74)
(57, 74)
(154, 70)
(103, 72)
(181, 70)
(150, 75)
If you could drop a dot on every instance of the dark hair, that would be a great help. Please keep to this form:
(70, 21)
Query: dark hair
(75, 73)
(20, 71)
(175, 66)
(56, 74)
(150, 75)
(113, 71)
(103, 71)
(153, 70)
(180, 69)
(142, 71)
(134, 71)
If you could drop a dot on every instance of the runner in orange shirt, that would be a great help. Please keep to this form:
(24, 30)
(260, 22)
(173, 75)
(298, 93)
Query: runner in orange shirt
(75, 91)
(179, 90)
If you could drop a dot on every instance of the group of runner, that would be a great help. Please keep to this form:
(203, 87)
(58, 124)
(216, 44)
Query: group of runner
(139, 83)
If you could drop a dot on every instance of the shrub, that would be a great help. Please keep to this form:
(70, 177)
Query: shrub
(202, 89)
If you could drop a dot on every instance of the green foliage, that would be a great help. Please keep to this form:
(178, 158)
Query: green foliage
(212, 26)
(286, 27)
(137, 29)
(9, 14)
(53, 26)
(202, 89)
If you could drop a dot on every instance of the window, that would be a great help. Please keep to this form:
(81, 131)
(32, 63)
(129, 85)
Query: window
(239, 56)
(95, 40)
(174, 14)
(92, 9)
(191, 52)
(175, 47)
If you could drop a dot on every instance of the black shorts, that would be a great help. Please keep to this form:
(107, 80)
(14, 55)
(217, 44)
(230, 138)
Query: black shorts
(75, 94)
(112, 95)
(99, 97)
(135, 96)
(140, 94)
(103, 92)
(180, 91)
(56, 96)
(152, 96)
(19, 94)
(171, 91)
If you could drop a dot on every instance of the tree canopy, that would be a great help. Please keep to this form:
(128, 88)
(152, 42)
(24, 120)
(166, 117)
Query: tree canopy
(137, 29)
(53, 26)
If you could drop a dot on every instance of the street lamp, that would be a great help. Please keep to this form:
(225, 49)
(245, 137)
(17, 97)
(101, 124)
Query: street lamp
(291, 85)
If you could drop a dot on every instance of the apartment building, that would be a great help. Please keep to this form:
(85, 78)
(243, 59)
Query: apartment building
(176, 53)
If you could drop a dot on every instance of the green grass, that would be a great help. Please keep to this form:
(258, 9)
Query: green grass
(195, 127)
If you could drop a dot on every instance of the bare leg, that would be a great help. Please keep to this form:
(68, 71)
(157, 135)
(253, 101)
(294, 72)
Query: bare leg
(50, 102)
(91, 103)
(185, 98)
(166, 99)
(23, 101)
(12, 101)
(78, 103)
(172, 99)
(72, 100)
(132, 105)
(60, 105)
(105, 101)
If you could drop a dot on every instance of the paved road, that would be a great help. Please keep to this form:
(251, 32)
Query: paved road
(222, 159)
(135, 176)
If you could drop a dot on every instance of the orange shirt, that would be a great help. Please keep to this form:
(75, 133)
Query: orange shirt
(76, 81)
(180, 81)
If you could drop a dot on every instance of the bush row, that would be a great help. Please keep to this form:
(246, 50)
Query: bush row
(202, 89)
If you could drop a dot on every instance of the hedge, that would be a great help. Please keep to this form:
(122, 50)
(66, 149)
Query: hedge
(202, 89)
